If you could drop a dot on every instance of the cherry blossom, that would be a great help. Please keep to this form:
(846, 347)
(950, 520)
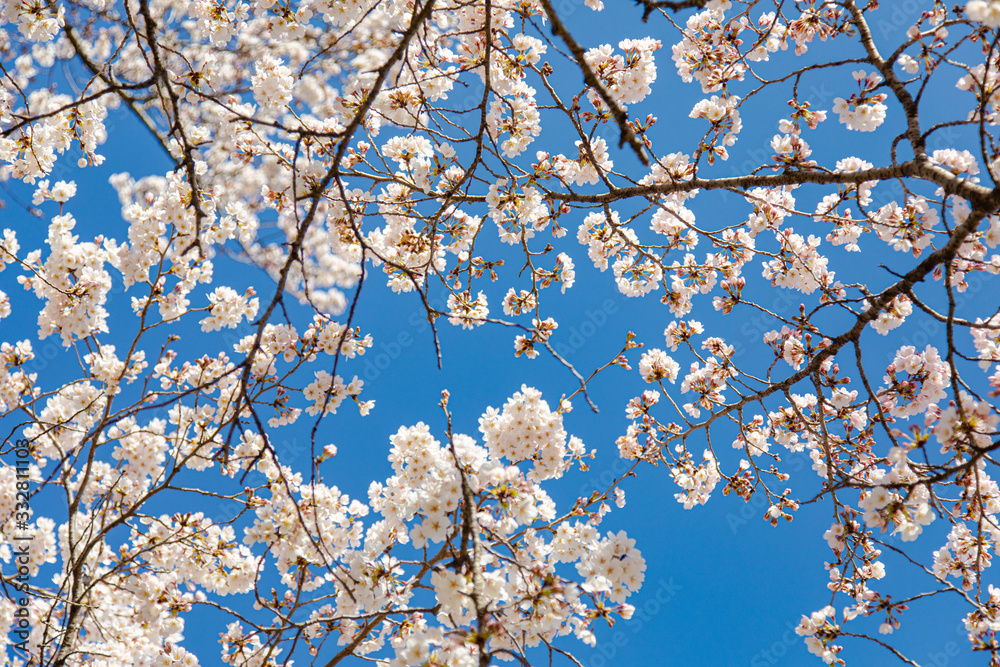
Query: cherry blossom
(829, 347)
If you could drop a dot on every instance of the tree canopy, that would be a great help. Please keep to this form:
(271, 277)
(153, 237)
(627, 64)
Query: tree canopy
(798, 198)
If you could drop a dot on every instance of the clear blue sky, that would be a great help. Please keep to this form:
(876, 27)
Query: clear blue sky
(722, 586)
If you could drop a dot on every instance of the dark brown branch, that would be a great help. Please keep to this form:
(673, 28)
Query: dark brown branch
(621, 118)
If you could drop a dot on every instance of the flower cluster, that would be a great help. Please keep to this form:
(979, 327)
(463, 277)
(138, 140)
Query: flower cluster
(526, 430)
(984, 11)
(914, 381)
(627, 78)
(909, 229)
(799, 265)
(893, 315)
(819, 630)
(229, 308)
(986, 338)
(864, 110)
(73, 282)
(696, 481)
(709, 52)
(272, 83)
(656, 365)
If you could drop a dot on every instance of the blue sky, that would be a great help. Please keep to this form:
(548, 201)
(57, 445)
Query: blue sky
(722, 586)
